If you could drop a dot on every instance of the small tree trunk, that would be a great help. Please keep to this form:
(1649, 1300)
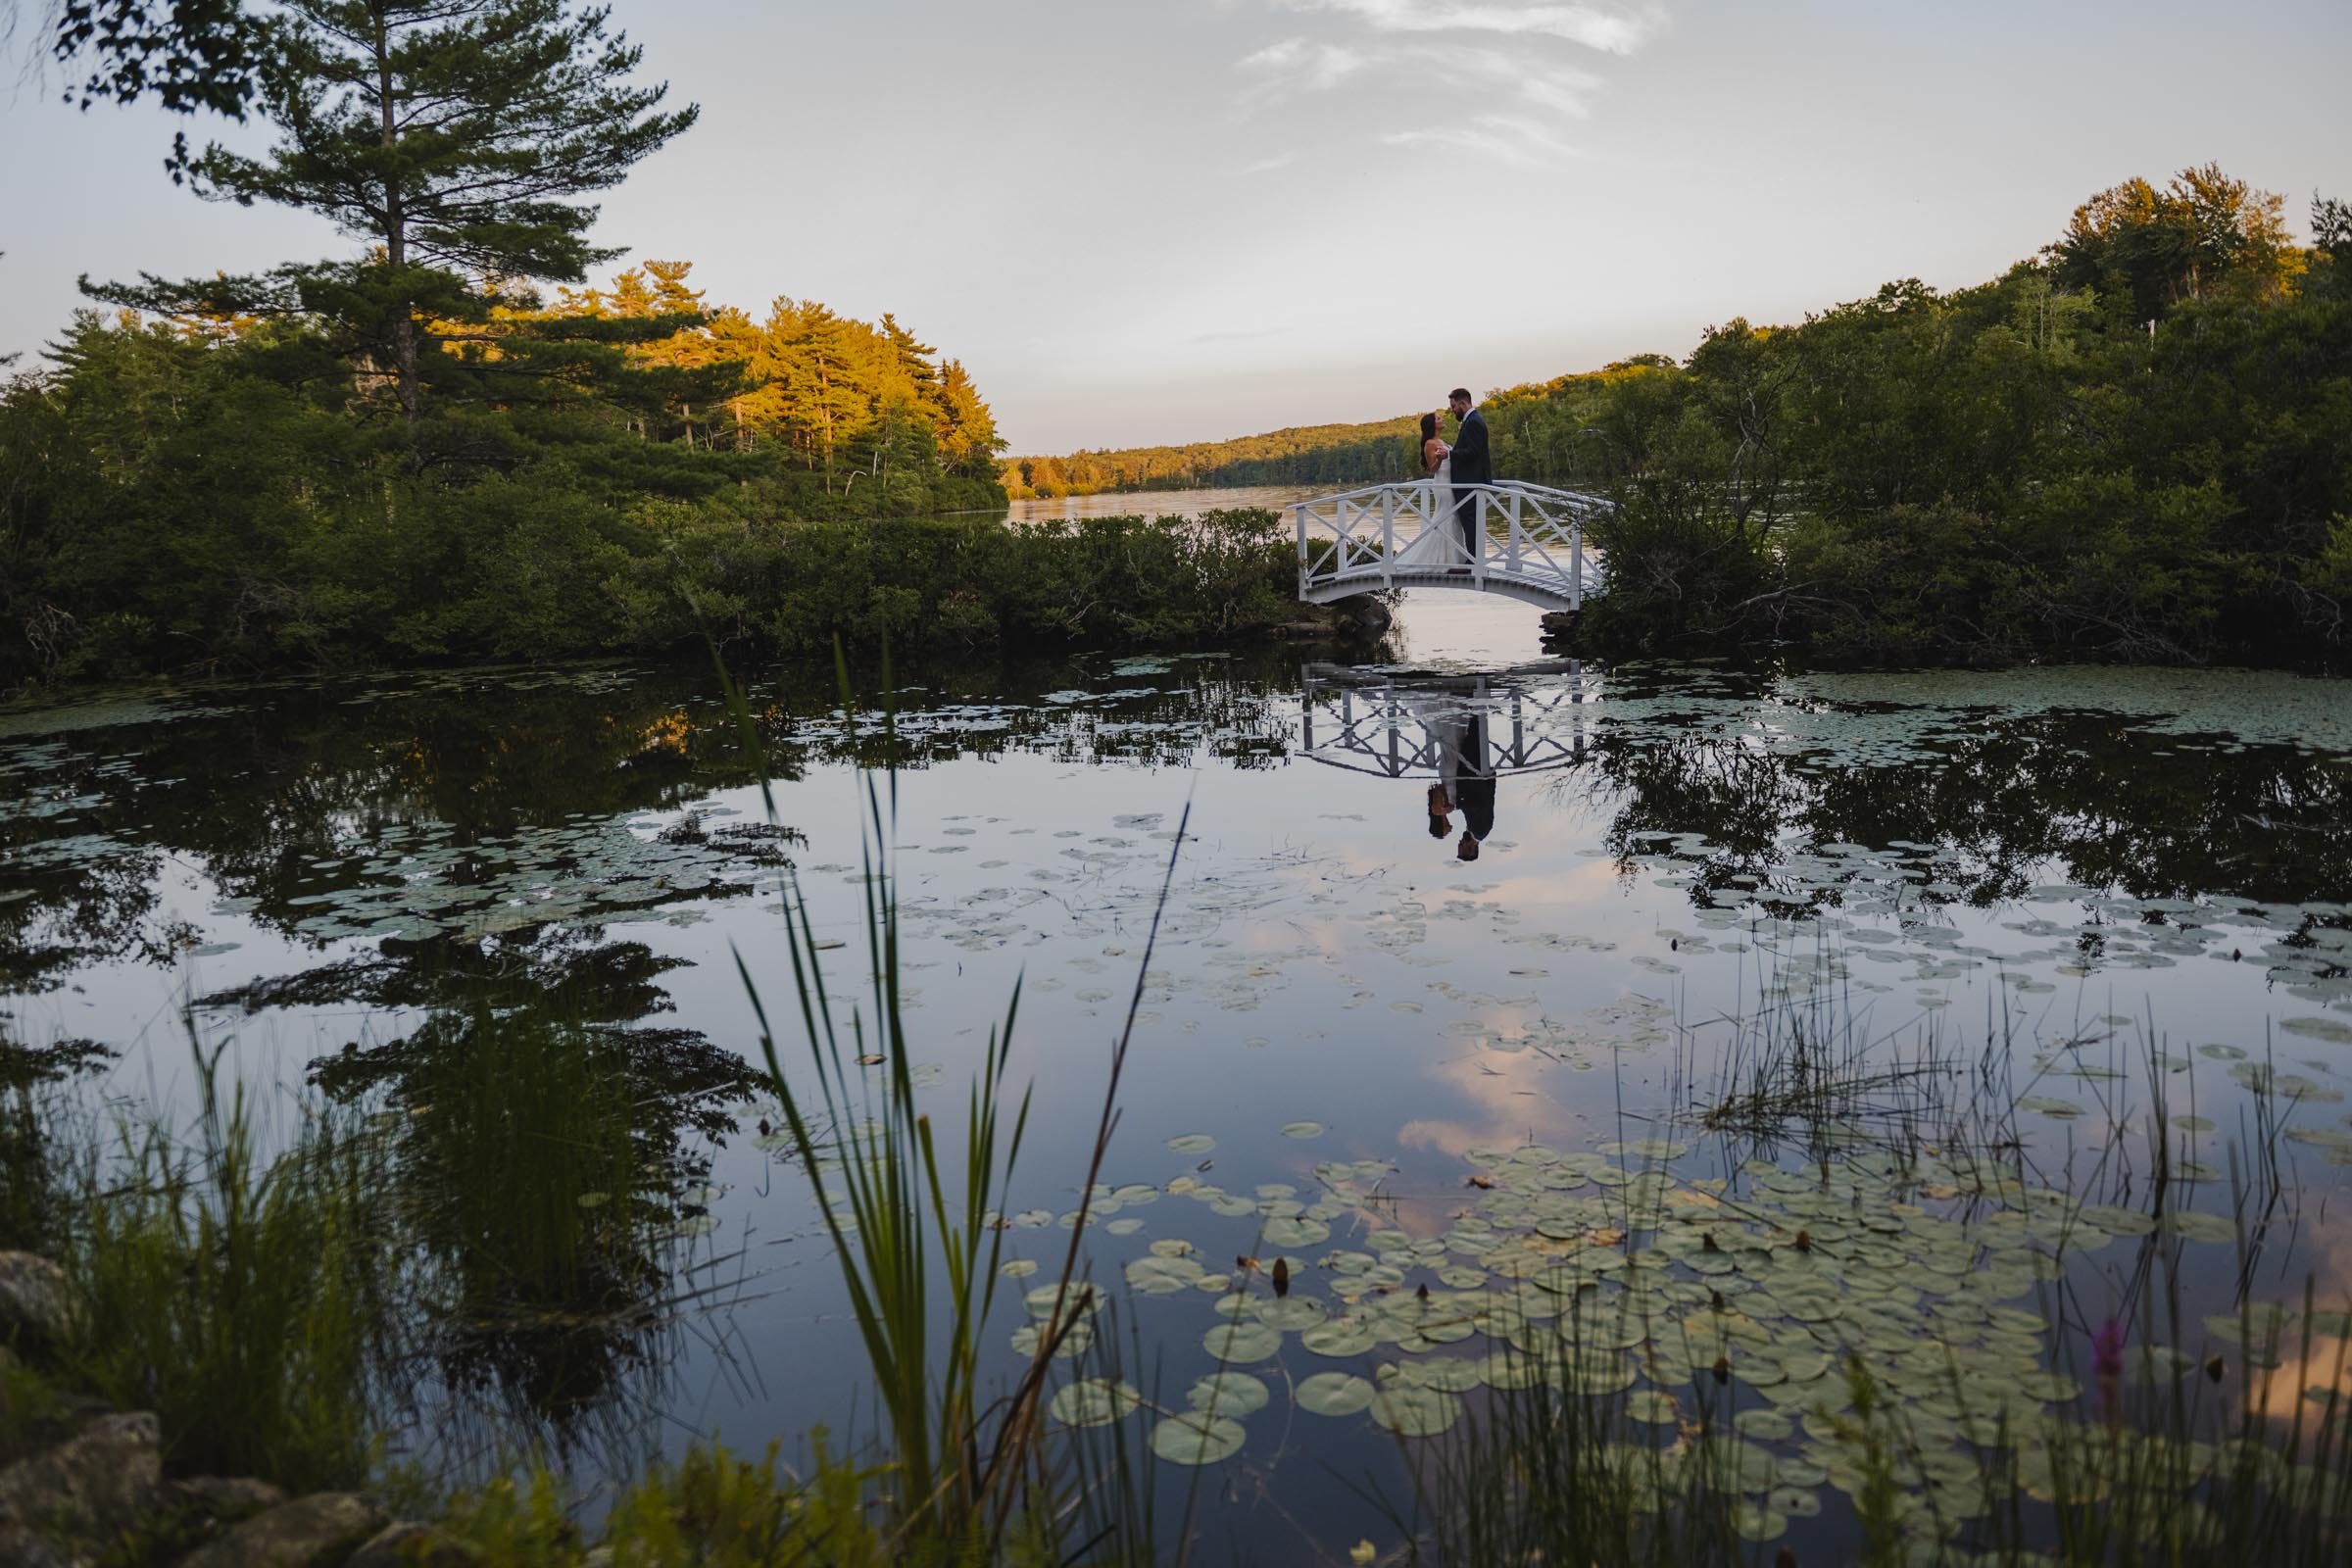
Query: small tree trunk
(396, 229)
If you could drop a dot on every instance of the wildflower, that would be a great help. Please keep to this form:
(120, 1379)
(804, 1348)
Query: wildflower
(2107, 1350)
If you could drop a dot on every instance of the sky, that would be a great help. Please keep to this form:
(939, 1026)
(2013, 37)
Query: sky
(1164, 221)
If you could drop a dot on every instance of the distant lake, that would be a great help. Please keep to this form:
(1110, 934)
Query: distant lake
(1164, 503)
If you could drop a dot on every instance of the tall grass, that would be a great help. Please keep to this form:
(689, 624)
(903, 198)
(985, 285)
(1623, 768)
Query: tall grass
(917, 1237)
(239, 1296)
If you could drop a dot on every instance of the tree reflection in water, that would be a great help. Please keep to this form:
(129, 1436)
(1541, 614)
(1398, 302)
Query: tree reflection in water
(549, 1159)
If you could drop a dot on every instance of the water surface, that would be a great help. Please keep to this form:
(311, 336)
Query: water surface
(2094, 886)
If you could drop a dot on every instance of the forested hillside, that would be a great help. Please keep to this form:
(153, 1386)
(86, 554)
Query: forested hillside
(1315, 453)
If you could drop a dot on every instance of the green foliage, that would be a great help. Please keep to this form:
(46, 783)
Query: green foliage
(450, 138)
(2018, 470)
(200, 493)
(2145, 251)
(715, 1509)
(189, 55)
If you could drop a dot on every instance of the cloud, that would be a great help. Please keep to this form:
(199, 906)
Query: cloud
(1499, 100)
(1266, 166)
(1297, 65)
(1617, 29)
(1506, 138)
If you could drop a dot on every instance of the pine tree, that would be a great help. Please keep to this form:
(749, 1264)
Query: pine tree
(454, 137)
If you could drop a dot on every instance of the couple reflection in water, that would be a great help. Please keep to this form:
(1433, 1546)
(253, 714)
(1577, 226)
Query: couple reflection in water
(1465, 782)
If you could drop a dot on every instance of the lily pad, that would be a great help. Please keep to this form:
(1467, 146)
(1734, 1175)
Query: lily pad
(1334, 1393)
(1242, 1342)
(1414, 1410)
(1093, 1403)
(1228, 1393)
(1197, 1438)
(1339, 1336)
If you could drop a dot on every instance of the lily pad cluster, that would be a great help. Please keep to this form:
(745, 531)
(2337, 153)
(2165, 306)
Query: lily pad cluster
(1761, 1336)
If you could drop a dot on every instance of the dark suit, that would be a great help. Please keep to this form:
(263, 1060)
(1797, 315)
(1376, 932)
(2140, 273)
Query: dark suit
(1472, 465)
(1474, 790)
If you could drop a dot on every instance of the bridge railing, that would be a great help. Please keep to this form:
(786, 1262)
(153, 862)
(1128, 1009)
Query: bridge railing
(1529, 535)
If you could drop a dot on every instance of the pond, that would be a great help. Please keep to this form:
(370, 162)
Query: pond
(1931, 1015)
(1164, 503)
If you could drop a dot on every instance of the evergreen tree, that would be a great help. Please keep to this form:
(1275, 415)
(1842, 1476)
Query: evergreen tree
(454, 137)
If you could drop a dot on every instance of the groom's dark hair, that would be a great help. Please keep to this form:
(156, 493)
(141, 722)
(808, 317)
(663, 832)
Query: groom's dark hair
(1462, 392)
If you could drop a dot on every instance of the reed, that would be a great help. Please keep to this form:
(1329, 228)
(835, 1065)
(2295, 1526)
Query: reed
(240, 1296)
(915, 1233)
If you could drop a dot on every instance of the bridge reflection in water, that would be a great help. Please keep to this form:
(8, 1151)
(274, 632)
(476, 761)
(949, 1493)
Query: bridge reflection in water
(1441, 728)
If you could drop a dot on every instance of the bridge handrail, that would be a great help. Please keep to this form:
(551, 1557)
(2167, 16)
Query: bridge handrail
(1352, 537)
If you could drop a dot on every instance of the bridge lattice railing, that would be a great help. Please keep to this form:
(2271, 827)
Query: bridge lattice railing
(1526, 533)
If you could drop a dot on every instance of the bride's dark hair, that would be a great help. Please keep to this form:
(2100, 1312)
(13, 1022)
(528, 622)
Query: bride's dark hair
(1428, 427)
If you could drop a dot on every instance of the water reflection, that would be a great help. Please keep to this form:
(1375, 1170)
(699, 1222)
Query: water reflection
(551, 1162)
(512, 878)
(1408, 725)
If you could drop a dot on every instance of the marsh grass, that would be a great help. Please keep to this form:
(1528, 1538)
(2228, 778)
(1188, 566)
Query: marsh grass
(917, 1234)
(241, 1295)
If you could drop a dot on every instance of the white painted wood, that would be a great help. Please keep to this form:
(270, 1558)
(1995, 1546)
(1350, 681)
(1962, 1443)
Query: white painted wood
(1359, 541)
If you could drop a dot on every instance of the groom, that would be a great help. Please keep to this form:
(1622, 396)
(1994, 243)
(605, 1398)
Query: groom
(1471, 465)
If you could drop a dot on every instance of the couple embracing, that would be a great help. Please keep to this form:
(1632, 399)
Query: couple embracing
(1456, 466)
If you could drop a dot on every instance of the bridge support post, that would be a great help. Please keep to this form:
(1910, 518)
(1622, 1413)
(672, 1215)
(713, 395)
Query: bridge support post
(1576, 560)
(1388, 537)
(1298, 516)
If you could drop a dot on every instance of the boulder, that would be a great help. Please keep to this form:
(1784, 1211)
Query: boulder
(318, 1530)
(36, 1302)
(408, 1545)
(75, 1502)
(1370, 614)
(226, 1496)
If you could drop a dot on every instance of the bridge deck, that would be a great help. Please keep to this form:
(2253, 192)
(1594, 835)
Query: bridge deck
(1530, 542)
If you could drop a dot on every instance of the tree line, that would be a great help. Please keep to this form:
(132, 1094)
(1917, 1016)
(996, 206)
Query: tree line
(1318, 454)
(443, 442)
(2136, 444)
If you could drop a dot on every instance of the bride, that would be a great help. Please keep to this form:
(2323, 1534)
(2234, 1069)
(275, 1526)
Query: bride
(1435, 545)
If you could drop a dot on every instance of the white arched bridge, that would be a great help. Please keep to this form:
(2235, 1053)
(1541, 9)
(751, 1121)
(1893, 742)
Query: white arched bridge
(1525, 541)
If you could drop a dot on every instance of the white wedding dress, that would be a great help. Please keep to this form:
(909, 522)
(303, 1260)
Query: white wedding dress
(1438, 544)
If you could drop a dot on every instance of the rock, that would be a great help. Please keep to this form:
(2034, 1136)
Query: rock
(408, 1545)
(36, 1302)
(75, 1502)
(1560, 622)
(314, 1532)
(226, 1496)
(1370, 614)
